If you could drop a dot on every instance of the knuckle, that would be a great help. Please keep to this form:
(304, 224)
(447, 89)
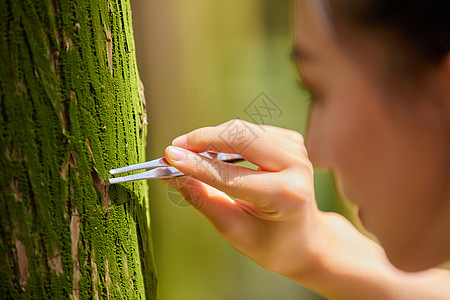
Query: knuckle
(297, 137)
(296, 192)
(243, 125)
(231, 180)
(227, 123)
(199, 135)
(234, 182)
(231, 122)
(238, 121)
(300, 159)
(286, 190)
(307, 165)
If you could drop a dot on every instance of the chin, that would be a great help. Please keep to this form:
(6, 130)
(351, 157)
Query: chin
(407, 265)
(412, 259)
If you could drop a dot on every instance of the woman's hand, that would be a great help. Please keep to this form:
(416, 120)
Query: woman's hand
(274, 219)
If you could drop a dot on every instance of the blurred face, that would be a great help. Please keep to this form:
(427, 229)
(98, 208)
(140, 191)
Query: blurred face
(389, 148)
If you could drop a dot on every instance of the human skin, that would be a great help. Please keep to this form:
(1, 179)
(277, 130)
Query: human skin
(389, 147)
(391, 158)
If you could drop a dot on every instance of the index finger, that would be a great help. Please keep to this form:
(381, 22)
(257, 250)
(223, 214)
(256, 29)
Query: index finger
(237, 136)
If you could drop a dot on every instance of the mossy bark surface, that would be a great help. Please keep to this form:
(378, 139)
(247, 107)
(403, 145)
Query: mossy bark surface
(71, 108)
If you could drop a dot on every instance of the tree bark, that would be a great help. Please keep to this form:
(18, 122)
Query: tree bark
(71, 108)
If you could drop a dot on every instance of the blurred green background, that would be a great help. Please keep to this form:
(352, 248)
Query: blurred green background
(202, 63)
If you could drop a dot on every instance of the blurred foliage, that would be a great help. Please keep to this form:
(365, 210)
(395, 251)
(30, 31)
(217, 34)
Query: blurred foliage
(202, 63)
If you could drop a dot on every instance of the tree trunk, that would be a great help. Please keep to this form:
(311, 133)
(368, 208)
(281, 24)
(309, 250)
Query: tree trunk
(71, 108)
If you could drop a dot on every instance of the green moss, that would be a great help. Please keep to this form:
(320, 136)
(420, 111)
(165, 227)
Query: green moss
(71, 109)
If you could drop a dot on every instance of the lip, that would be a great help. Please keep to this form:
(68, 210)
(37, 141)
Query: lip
(360, 215)
(346, 192)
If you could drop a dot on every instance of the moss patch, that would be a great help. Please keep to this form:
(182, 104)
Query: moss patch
(71, 108)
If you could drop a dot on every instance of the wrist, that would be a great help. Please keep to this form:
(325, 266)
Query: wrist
(315, 250)
(301, 248)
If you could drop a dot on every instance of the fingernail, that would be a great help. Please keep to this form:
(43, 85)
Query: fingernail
(176, 154)
(180, 141)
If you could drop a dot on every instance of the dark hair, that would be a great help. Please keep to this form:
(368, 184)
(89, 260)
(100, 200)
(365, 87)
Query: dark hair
(419, 30)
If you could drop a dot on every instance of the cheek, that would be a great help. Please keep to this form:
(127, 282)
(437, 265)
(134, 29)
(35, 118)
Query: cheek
(339, 132)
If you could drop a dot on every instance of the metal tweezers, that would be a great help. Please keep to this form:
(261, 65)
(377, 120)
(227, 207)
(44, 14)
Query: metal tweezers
(162, 169)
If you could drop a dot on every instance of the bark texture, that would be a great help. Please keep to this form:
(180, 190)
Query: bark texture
(71, 108)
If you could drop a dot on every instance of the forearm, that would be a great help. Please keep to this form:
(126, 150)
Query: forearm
(352, 266)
